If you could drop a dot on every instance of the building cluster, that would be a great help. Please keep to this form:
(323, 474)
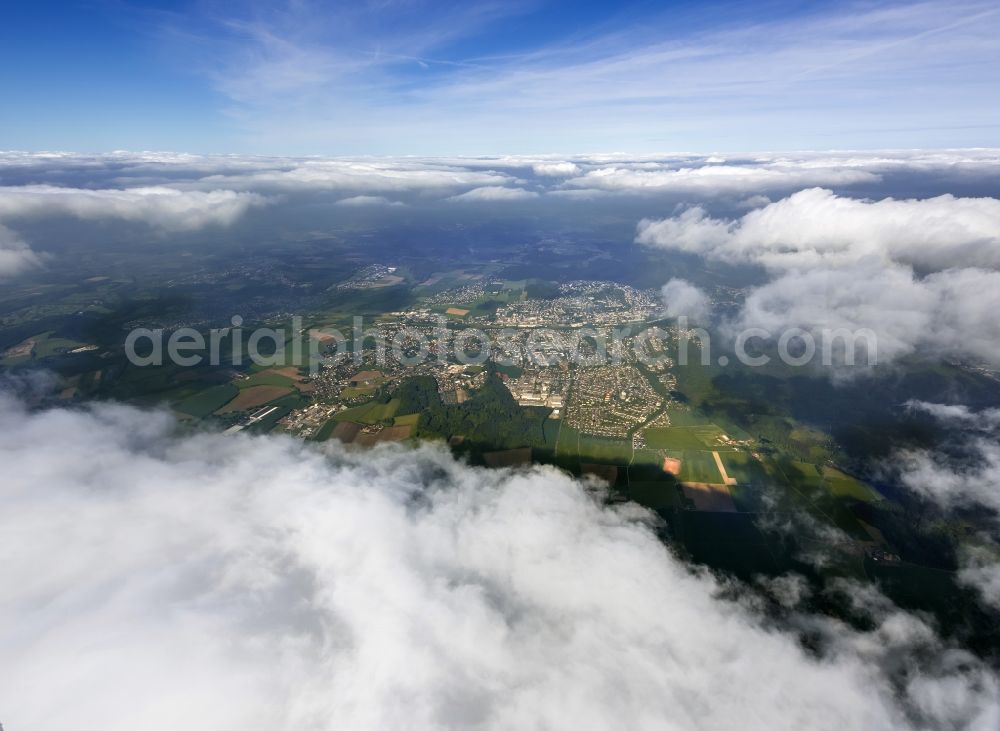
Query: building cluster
(307, 421)
(581, 304)
(372, 277)
(563, 350)
(477, 289)
(610, 401)
(541, 387)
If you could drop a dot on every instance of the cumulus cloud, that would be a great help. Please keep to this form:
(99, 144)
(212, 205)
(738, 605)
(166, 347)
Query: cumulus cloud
(712, 180)
(971, 475)
(359, 176)
(494, 193)
(985, 420)
(15, 254)
(964, 472)
(981, 571)
(817, 227)
(690, 175)
(555, 169)
(158, 206)
(919, 274)
(888, 310)
(367, 200)
(203, 581)
(956, 485)
(683, 299)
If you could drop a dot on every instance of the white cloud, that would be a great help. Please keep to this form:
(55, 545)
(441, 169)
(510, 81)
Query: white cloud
(361, 176)
(367, 200)
(964, 473)
(158, 206)
(974, 478)
(210, 582)
(15, 255)
(984, 420)
(714, 180)
(555, 169)
(690, 175)
(494, 193)
(981, 570)
(943, 314)
(816, 227)
(683, 299)
(952, 486)
(920, 274)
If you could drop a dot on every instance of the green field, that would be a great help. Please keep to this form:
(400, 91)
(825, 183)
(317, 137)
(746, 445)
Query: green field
(205, 402)
(369, 413)
(687, 417)
(699, 467)
(44, 346)
(842, 485)
(744, 468)
(657, 495)
(324, 432)
(586, 448)
(264, 379)
(704, 436)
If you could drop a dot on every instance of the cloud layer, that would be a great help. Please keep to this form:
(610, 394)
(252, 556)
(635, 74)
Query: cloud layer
(215, 582)
(159, 206)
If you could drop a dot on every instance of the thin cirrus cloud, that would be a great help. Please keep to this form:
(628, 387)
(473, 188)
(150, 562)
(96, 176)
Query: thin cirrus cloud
(257, 583)
(350, 82)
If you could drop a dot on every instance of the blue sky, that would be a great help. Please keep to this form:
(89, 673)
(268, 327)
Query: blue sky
(527, 76)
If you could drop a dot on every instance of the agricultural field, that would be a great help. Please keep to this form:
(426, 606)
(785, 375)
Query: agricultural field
(43, 345)
(709, 497)
(369, 413)
(698, 466)
(508, 457)
(744, 468)
(657, 495)
(388, 434)
(207, 401)
(572, 443)
(254, 396)
(704, 436)
(842, 485)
